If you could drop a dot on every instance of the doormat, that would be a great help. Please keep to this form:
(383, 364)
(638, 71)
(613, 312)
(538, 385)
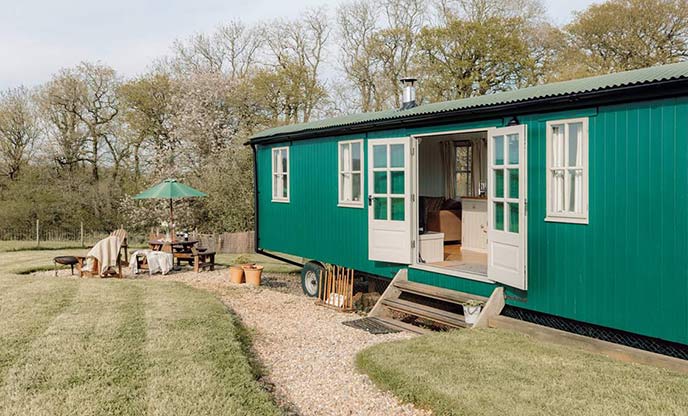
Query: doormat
(371, 325)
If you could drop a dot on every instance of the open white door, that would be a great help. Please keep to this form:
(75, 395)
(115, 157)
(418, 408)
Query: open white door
(389, 200)
(506, 210)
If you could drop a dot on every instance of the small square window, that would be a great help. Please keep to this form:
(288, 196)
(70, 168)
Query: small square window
(567, 171)
(351, 173)
(280, 174)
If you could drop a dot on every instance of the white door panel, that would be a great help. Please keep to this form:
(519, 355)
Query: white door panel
(506, 209)
(389, 200)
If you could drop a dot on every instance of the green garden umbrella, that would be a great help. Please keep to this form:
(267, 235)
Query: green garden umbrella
(170, 189)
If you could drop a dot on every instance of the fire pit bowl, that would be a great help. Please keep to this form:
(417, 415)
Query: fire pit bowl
(66, 261)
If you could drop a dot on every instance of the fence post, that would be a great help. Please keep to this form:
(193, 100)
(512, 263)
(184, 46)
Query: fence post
(38, 235)
(81, 234)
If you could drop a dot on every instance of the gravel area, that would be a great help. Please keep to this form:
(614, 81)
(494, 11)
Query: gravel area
(307, 353)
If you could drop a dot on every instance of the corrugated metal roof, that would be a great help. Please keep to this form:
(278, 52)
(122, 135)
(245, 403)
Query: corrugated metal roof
(556, 89)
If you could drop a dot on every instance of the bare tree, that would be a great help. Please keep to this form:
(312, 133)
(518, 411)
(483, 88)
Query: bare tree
(99, 107)
(232, 50)
(61, 105)
(378, 45)
(296, 49)
(18, 130)
(358, 25)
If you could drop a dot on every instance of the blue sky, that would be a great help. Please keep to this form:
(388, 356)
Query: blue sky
(41, 36)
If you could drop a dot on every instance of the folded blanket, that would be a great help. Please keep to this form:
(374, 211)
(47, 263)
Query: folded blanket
(158, 261)
(106, 251)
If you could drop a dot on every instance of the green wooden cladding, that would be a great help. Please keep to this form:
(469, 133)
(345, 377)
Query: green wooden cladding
(627, 269)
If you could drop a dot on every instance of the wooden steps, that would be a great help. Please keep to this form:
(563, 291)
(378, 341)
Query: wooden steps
(438, 293)
(420, 310)
(441, 307)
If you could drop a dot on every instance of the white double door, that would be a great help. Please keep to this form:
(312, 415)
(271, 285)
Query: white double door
(389, 203)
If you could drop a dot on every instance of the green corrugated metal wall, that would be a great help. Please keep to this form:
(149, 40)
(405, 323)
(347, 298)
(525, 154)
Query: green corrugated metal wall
(627, 269)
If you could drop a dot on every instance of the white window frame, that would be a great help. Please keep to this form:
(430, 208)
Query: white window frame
(341, 172)
(567, 216)
(280, 173)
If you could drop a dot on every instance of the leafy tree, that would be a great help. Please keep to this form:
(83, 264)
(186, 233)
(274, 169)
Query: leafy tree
(620, 35)
(148, 112)
(466, 58)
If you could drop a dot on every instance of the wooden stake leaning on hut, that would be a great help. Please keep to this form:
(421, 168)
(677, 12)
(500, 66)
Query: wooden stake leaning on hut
(336, 287)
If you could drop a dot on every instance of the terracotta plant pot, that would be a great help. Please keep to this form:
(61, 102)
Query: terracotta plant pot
(236, 274)
(253, 273)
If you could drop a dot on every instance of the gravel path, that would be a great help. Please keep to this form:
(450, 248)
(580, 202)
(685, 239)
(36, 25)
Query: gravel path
(307, 352)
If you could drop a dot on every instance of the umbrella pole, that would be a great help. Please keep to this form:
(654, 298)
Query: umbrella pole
(173, 235)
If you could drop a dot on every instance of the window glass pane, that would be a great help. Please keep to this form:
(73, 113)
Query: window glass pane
(345, 179)
(463, 187)
(397, 182)
(573, 189)
(513, 217)
(499, 216)
(344, 157)
(285, 186)
(397, 209)
(513, 148)
(380, 156)
(499, 150)
(356, 187)
(558, 191)
(285, 163)
(380, 208)
(380, 179)
(575, 140)
(275, 161)
(513, 183)
(396, 155)
(499, 183)
(557, 146)
(356, 157)
(275, 186)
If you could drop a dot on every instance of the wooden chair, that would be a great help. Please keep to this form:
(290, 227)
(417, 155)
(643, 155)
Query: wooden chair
(203, 260)
(116, 271)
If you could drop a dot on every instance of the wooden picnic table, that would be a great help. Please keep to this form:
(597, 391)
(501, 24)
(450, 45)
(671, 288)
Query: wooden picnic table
(185, 250)
(182, 246)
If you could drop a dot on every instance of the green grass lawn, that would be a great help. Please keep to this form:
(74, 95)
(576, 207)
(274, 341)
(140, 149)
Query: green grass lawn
(125, 347)
(20, 257)
(498, 372)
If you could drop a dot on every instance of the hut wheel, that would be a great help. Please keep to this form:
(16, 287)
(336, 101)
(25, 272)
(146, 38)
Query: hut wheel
(309, 277)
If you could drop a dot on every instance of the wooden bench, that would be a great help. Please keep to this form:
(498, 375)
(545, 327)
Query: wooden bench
(203, 260)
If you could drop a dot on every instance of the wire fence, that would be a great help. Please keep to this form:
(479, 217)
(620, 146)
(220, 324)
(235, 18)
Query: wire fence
(39, 236)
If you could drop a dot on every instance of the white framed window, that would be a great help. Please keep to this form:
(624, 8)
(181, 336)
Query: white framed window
(280, 174)
(351, 173)
(567, 171)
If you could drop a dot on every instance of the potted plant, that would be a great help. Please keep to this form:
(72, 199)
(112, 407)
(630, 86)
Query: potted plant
(471, 310)
(236, 274)
(253, 273)
(236, 271)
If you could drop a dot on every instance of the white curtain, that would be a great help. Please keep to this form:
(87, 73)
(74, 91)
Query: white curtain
(479, 168)
(448, 167)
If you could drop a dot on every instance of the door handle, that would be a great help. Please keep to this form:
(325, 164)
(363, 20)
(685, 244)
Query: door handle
(370, 200)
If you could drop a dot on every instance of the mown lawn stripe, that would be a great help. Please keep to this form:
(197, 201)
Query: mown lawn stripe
(28, 306)
(74, 367)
